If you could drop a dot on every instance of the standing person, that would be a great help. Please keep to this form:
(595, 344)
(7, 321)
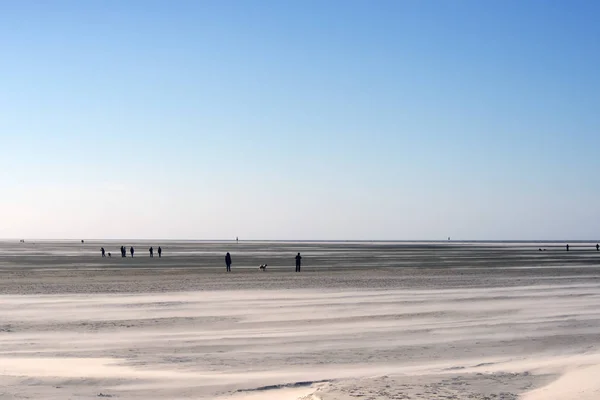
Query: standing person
(159, 252)
(103, 252)
(597, 247)
(131, 250)
(298, 262)
(228, 261)
(151, 250)
(567, 247)
(122, 251)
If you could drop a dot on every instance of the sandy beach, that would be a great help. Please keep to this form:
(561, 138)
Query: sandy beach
(361, 321)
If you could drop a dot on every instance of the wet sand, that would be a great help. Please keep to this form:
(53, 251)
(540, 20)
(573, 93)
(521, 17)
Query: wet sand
(362, 320)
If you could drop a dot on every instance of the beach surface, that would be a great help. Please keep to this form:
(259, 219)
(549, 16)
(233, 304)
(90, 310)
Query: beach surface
(425, 321)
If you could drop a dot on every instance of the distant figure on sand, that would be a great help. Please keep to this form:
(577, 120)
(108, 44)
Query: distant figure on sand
(236, 239)
(131, 250)
(103, 252)
(597, 247)
(159, 251)
(567, 247)
(123, 253)
(151, 250)
(228, 261)
(109, 255)
(298, 262)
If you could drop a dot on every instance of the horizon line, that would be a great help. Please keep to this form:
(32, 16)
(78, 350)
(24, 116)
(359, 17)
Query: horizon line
(311, 240)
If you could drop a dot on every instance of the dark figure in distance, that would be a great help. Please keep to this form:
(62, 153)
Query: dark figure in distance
(298, 262)
(567, 247)
(131, 250)
(597, 247)
(159, 251)
(228, 261)
(151, 250)
(122, 251)
(103, 252)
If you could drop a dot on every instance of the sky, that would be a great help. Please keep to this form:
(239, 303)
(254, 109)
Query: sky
(284, 120)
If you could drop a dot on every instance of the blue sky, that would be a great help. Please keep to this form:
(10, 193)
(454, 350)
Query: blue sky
(300, 119)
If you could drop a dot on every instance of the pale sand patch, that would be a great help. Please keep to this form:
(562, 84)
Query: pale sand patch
(581, 383)
(276, 394)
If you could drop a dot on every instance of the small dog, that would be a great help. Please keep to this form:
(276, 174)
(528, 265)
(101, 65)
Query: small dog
(110, 255)
(263, 267)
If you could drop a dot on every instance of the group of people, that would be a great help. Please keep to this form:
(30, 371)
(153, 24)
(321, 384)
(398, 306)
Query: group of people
(228, 262)
(131, 251)
(151, 251)
(597, 247)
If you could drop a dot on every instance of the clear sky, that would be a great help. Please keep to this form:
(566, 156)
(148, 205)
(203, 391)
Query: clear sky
(300, 119)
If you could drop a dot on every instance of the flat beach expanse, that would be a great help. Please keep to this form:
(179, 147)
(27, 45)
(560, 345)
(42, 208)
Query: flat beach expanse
(367, 320)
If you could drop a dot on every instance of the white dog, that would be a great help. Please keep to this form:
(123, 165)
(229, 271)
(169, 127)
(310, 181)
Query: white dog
(263, 267)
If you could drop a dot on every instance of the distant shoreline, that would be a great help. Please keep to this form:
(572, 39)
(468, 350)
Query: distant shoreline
(129, 240)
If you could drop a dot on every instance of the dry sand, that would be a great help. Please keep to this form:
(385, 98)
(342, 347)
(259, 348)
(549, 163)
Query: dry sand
(362, 321)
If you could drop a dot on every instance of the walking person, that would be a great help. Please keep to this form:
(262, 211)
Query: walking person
(228, 261)
(103, 252)
(567, 247)
(597, 247)
(151, 250)
(159, 252)
(298, 262)
(123, 253)
(131, 250)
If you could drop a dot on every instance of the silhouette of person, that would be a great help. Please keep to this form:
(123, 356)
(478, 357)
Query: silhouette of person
(597, 247)
(103, 252)
(228, 261)
(151, 250)
(567, 247)
(159, 252)
(131, 250)
(298, 262)
(122, 251)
